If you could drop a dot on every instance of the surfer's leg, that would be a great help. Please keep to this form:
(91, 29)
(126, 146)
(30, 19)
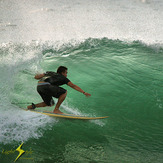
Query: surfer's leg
(60, 100)
(42, 104)
(50, 102)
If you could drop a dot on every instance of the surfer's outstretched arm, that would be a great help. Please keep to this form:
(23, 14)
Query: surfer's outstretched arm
(77, 88)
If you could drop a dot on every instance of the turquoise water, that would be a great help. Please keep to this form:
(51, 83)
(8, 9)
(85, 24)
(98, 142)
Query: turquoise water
(121, 70)
(124, 79)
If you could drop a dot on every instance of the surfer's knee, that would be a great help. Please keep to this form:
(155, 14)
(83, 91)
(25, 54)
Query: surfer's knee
(65, 94)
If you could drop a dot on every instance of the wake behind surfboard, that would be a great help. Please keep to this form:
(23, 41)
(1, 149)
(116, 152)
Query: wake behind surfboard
(70, 116)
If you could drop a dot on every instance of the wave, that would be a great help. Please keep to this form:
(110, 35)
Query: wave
(115, 69)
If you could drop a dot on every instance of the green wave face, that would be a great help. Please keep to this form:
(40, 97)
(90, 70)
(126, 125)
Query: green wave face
(125, 83)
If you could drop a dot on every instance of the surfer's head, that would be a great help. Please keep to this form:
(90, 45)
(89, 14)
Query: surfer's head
(62, 70)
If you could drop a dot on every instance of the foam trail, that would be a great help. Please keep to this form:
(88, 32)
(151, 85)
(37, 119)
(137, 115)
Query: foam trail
(75, 111)
(18, 125)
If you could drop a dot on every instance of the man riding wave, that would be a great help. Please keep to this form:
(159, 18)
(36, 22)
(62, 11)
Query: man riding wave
(49, 86)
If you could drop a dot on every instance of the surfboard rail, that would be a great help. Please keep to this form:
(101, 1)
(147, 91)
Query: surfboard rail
(69, 116)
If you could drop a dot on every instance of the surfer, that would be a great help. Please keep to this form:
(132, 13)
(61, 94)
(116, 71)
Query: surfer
(49, 86)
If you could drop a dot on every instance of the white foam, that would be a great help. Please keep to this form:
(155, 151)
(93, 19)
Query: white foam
(76, 111)
(19, 125)
(16, 124)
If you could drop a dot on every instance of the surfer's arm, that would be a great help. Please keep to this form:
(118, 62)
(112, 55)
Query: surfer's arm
(39, 76)
(77, 88)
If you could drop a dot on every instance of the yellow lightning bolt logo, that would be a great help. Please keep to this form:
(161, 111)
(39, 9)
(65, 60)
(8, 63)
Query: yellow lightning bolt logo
(21, 152)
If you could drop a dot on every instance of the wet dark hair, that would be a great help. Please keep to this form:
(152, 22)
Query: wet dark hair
(61, 69)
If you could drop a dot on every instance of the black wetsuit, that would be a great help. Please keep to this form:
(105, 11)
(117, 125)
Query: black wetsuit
(50, 88)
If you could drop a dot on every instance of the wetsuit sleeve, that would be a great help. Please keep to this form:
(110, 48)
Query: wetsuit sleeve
(50, 73)
(67, 80)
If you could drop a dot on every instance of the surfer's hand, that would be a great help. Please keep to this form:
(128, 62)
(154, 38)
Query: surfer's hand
(87, 94)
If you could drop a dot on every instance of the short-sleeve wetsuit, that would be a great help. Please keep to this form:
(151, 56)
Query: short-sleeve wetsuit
(50, 86)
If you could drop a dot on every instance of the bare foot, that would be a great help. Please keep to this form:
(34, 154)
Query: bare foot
(57, 112)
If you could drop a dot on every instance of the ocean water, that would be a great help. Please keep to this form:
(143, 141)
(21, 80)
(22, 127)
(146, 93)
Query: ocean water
(113, 50)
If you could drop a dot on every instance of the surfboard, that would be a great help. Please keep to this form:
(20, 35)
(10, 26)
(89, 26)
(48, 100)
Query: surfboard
(70, 116)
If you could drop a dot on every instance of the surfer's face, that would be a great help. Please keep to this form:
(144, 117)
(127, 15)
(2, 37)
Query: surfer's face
(65, 73)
